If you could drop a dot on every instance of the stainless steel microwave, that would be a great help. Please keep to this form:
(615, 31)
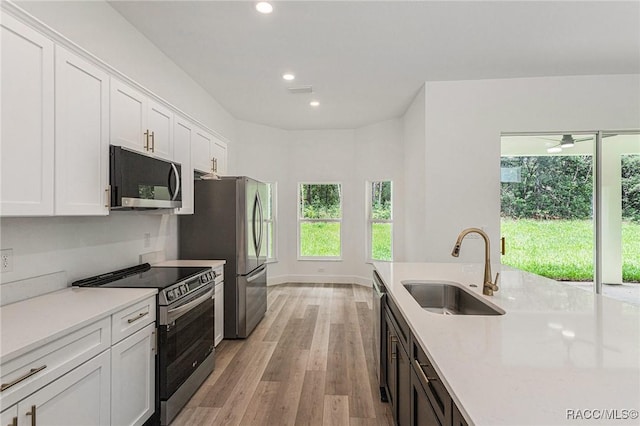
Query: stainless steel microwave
(138, 181)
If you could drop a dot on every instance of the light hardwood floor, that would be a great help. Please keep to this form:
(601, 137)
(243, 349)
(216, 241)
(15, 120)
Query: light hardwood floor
(308, 362)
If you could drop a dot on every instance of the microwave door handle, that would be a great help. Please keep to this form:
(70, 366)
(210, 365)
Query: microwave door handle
(175, 171)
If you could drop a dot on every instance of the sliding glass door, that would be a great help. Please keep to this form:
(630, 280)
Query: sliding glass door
(570, 208)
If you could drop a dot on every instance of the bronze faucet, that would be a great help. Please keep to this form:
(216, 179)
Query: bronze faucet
(488, 287)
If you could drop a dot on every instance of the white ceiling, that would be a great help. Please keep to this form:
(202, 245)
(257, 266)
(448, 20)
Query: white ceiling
(366, 60)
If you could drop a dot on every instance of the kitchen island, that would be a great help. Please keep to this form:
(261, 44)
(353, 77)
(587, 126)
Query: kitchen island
(559, 355)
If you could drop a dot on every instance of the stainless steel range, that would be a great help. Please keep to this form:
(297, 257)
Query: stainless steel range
(185, 327)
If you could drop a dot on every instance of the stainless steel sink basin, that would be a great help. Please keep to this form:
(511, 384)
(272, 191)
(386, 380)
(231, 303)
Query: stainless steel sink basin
(448, 299)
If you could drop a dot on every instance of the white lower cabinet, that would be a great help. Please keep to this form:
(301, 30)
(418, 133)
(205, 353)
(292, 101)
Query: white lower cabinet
(80, 397)
(9, 417)
(133, 378)
(218, 326)
(100, 374)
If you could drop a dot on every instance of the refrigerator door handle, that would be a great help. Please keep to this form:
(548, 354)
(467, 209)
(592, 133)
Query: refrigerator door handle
(260, 273)
(256, 206)
(261, 225)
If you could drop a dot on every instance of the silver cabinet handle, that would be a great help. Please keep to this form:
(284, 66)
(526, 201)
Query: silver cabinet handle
(146, 140)
(32, 413)
(107, 191)
(31, 372)
(140, 315)
(418, 367)
(153, 141)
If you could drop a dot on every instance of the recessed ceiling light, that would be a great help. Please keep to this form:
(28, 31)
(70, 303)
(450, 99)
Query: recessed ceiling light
(288, 76)
(264, 7)
(554, 149)
(314, 103)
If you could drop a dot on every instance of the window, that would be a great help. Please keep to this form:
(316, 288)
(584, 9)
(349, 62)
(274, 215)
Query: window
(319, 221)
(380, 228)
(270, 221)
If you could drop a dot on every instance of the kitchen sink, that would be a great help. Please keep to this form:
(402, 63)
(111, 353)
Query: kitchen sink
(448, 298)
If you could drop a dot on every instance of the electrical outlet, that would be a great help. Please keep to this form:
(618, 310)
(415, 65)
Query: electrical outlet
(6, 260)
(147, 240)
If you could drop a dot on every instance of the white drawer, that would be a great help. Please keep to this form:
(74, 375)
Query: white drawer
(50, 361)
(133, 318)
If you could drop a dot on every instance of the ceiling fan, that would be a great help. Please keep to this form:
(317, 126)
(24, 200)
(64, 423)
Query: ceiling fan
(567, 141)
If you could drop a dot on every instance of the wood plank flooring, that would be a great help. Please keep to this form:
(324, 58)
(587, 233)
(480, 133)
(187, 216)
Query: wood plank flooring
(308, 362)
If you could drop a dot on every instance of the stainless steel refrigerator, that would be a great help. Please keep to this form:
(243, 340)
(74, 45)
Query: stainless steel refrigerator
(228, 223)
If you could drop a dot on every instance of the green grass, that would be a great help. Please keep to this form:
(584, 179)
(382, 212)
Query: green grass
(563, 249)
(320, 239)
(381, 241)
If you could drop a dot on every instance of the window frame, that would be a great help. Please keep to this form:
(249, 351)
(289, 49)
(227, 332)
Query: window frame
(301, 220)
(273, 188)
(371, 221)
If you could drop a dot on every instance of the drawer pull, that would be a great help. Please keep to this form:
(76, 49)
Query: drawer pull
(32, 413)
(419, 367)
(140, 315)
(31, 372)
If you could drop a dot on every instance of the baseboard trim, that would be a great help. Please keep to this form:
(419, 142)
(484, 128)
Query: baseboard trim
(319, 279)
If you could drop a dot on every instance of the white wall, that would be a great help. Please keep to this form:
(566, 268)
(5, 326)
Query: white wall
(347, 156)
(464, 120)
(415, 243)
(72, 248)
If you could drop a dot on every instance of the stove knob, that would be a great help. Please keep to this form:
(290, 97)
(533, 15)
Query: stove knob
(169, 295)
(183, 288)
(203, 279)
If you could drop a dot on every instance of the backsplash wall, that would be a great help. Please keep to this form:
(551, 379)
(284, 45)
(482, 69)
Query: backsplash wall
(80, 246)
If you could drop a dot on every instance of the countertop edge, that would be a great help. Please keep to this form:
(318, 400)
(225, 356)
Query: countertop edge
(97, 316)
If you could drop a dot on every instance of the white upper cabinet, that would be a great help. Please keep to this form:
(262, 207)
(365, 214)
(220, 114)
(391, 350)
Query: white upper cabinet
(160, 124)
(82, 136)
(26, 141)
(139, 123)
(219, 153)
(183, 132)
(209, 152)
(201, 151)
(128, 117)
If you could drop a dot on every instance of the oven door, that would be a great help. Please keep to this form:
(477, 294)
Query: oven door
(185, 336)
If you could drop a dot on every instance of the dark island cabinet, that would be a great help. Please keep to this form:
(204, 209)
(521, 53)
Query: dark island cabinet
(458, 420)
(415, 392)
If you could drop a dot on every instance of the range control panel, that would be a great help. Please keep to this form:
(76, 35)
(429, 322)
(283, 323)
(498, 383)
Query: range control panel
(180, 290)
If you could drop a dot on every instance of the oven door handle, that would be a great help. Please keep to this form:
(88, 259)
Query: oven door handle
(175, 313)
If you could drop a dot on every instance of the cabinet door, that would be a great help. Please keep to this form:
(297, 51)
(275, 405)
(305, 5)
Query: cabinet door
(422, 413)
(403, 398)
(160, 126)
(133, 378)
(219, 152)
(458, 419)
(82, 136)
(183, 132)
(9, 417)
(80, 397)
(219, 314)
(391, 370)
(128, 117)
(26, 141)
(201, 151)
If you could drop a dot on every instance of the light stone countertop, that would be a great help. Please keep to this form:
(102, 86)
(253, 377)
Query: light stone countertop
(213, 264)
(37, 321)
(556, 349)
